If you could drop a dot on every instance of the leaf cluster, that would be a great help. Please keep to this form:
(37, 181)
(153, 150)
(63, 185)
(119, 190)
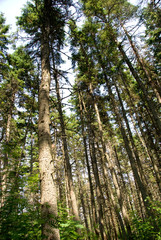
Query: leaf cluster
(150, 228)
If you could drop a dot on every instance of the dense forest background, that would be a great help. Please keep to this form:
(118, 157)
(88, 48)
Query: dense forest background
(80, 159)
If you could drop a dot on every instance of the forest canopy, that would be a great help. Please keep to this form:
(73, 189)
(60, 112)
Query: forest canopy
(80, 147)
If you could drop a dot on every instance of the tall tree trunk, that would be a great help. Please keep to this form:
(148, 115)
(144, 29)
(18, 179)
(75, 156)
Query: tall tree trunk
(5, 172)
(139, 164)
(148, 103)
(81, 193)
(145, 139)
(94, 213)
(110, 164)
(124, 188)
(142, 64)
(100, 197)
(140, 184)
(110, 196)
(68, 170)
(48, 188)
(138, 180)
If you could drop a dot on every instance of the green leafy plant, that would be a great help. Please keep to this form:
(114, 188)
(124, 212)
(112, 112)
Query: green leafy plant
(68, 227)
(150, 228)
(20, 220)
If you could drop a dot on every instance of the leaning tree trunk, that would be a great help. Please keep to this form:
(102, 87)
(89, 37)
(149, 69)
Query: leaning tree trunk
(154, 84)
(141, 186)
(149, 104)
(110, 164)
(48, 189)
(145, 138)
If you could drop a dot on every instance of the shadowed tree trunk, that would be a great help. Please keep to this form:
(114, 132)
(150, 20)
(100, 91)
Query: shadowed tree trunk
(81, 106)
(68, 170)
(110, 164)
(5, 172)
(142, 188)
(141, 61)
(148, 103)
(145, 138)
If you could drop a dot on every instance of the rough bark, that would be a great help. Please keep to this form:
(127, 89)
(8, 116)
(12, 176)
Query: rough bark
(48, 188)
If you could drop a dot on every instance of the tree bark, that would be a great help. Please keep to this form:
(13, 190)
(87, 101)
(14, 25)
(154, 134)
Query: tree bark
(48, 188)
(5, 172)
(94, 213)
(149, 105)
(110, 164)
(68, 170)
(146, 140)
(142, 64)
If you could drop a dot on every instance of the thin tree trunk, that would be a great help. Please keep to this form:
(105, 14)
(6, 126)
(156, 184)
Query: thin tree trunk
(110, 196)
(111, 167)
(81, 193)
(100, 197)
(68, 170)
(150, 105)
(5, 172)
(155, 169)
(149, 146)
(122, 178)
(98, 189)
(140, 167)
(142, 64)
(138, 180)
(94, 213)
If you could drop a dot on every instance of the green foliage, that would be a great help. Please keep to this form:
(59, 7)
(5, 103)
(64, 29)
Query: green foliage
(20, 216)
(19, 219)
(33, 16)
(4, 42)
(150, 228)
(69, 228)
(97, 58)
(152, 18)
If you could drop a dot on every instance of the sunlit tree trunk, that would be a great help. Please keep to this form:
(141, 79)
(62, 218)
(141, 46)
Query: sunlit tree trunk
(47, 177)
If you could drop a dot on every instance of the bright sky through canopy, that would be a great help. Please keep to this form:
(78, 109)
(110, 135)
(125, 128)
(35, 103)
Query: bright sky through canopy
(11, 9)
